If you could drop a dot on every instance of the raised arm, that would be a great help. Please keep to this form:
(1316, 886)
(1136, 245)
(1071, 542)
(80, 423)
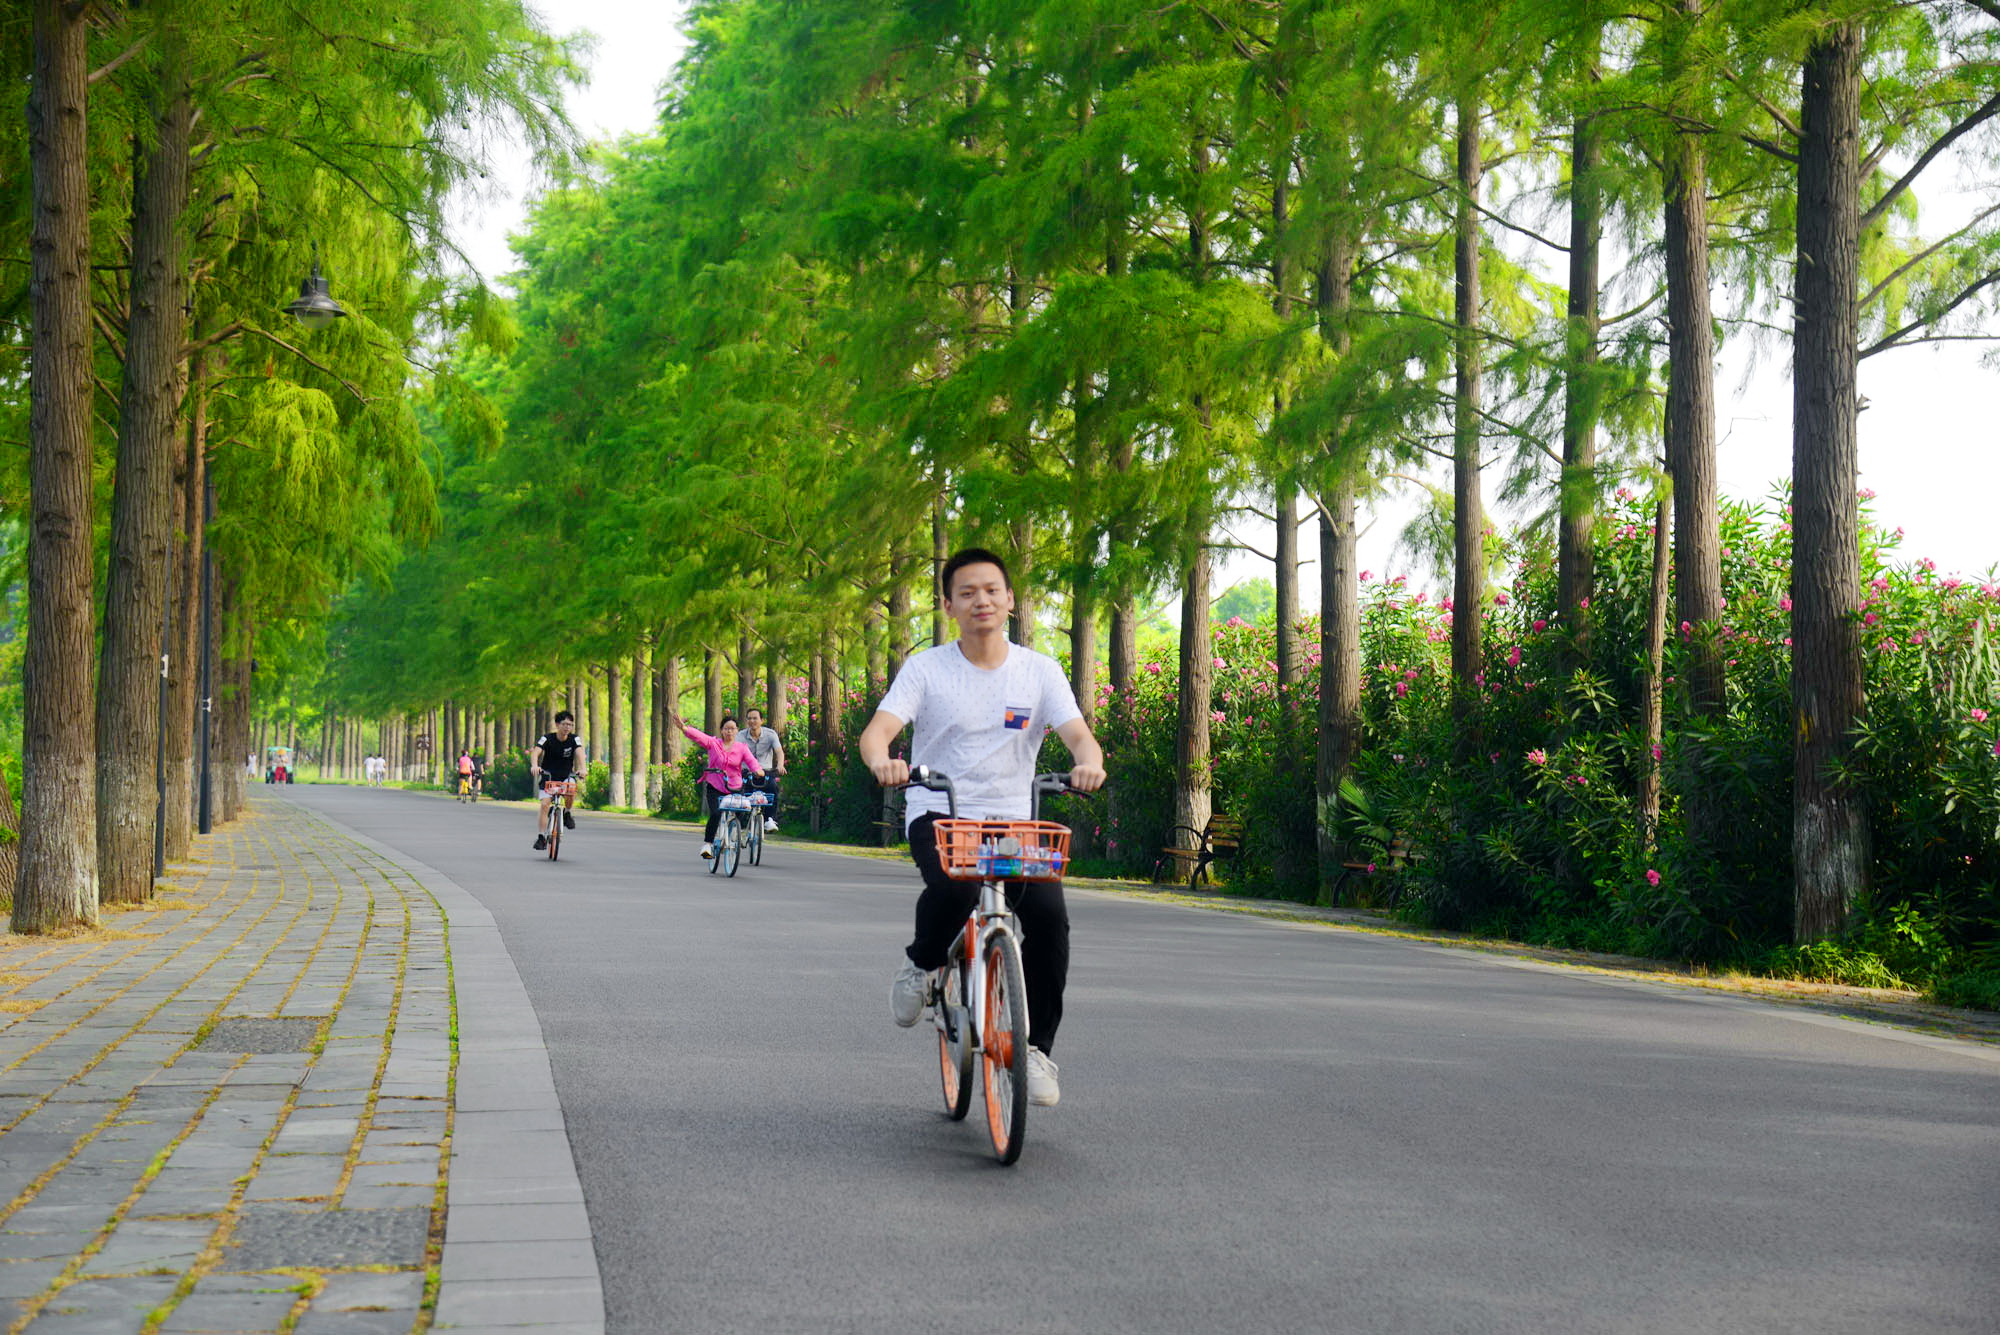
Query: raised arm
(1087, 775)
(875, 739)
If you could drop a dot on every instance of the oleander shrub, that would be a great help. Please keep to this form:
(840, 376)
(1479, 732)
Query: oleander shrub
(596, 790)
(507, 778)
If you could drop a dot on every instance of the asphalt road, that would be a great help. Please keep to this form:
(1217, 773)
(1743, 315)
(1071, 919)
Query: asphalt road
(1263, 1127)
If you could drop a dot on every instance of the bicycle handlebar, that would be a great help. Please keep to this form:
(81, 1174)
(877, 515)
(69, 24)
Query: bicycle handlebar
(923, 776)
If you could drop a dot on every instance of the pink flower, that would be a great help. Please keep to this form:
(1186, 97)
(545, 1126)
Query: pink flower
(1785, 604)
(1538, 757)
(1652, 877)
(1576, 779)
(1371, 868)
(1583, 603)
(1996, 750)
(1234, 622)
(1541, 624)
(1916, 637)
(1788, 641)
(1218, 662)
(1686, 629)
(1215, 716)
(1367, 575)
(1402, 689)
(1979, 716)
(1656, 750)
(1153, 668)
(1866, 493)
(1410, 675)
(1499, 600)
(1514, 657)
(1870, 619)
(1878, 584)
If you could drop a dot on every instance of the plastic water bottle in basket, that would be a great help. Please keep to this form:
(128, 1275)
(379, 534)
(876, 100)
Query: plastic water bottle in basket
(1004, 850)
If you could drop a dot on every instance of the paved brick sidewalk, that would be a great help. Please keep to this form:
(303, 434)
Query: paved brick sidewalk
(234, 1112)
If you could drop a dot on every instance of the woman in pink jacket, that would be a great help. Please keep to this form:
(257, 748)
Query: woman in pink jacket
(728, 758)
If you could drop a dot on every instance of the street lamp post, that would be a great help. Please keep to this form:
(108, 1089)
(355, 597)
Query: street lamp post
(313, 308)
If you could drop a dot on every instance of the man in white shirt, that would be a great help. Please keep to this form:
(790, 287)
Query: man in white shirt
(981, 706)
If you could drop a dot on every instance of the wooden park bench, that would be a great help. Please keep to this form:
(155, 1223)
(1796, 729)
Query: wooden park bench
(1398, 856)
(1221, 837)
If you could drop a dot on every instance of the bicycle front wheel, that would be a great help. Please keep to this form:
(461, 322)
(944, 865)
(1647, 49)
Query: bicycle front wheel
(555, 831)
(729, 846)
(1003, 1034)
(954, 1031)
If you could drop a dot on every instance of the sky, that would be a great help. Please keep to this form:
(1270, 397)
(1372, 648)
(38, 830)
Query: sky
(1929, 439)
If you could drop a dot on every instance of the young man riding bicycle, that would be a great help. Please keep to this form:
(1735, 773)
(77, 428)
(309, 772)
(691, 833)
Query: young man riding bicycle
(981, 706)
(553, 763)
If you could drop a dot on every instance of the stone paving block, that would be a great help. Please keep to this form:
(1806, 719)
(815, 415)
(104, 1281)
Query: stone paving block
(361, 1292)
(142, 1245)
(388, 1198)
(267, 1237)
(515, 1302)
(395, 1174)
(388, 1321)
(104, 1304)
(516, 1223)
(25, 1279)
(571, 1258)
(46, 1244)
(235, 1304)
(293, 1176)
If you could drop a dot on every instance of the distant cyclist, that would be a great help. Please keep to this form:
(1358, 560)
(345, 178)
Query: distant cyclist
(770, 753)
(981, 706)
(465, 768)
(728, 759)
(554, 760)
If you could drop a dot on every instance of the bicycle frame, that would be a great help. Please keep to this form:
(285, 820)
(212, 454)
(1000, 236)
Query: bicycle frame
(990, 918)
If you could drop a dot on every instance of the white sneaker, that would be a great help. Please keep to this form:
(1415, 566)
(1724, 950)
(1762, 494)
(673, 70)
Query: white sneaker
(1043, 1091)
(908, 993)
(770, 824)
(708, 850)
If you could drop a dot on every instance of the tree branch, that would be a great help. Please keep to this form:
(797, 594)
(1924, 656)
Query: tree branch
(319, 366)
(1986, 112)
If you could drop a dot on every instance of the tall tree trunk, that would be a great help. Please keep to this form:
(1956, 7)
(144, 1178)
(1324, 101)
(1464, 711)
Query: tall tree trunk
(614, 699)
(10, 849)
(1830, 835)
(899, 626)
(875, 638)
(940, 553)
(58, 869)
(711, 690)
(774, 691)
(1083, 640)
(1575, 552)
(1691, 421)
(746, 676)
(1339, 669)
(1024, 582)
(1192, 792)
(1469, 508)
(829, 685)
(183, 719)
(641, 674)
(1338, 739)
(670, 692)
(1285, 493)
(1651, 723)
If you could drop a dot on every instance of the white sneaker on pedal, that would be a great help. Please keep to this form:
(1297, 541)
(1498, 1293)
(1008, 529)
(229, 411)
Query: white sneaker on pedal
(908, 993)
(1043, 1091)
(708, 850)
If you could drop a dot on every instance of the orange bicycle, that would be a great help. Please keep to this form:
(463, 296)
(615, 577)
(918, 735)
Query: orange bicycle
(555, 790)
(979, 1000)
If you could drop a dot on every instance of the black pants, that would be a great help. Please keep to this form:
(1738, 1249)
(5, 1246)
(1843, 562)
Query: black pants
(1038, 908)
(709, 799)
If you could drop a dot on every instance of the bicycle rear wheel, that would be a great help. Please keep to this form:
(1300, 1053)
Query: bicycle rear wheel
(756, 839)
(729, 844)
(954, 1031)
(1003, 1048)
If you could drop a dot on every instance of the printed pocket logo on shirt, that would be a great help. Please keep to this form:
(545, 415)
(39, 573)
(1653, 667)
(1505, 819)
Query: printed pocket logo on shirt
(1016, 718)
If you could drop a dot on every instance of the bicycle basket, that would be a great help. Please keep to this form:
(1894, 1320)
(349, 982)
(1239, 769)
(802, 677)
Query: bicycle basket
(1003, 850)
(733, 802)
(759, 798)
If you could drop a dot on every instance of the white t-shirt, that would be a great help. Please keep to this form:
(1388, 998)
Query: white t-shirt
(980, 727)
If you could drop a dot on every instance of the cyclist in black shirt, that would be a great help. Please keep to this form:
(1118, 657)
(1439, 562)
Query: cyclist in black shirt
(555, 759)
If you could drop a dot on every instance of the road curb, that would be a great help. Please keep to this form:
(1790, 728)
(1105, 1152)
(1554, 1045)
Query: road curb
(514, 1207)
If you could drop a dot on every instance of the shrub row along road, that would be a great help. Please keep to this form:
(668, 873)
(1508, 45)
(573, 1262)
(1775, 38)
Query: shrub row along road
(1263, 1126)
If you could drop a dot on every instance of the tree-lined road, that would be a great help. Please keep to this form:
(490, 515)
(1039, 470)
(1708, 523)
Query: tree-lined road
(1263, 1126)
